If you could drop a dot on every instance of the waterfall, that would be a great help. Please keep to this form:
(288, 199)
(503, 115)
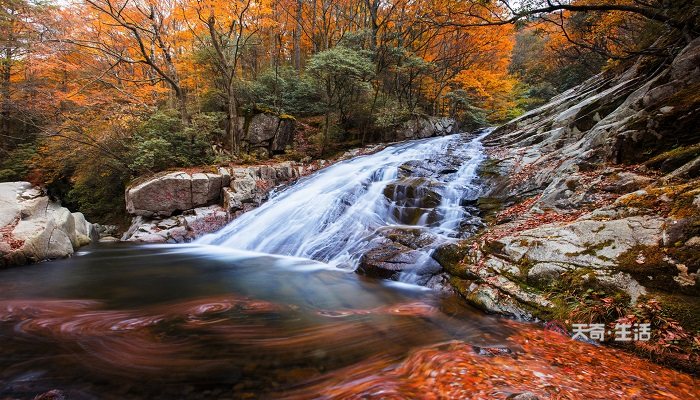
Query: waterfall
(334, 214)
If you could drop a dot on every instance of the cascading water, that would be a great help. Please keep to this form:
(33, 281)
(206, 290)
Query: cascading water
(335, 214)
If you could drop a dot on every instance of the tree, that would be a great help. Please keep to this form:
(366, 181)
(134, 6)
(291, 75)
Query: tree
(343, 74)
(133, 32)
(229, 27)
(18, 31)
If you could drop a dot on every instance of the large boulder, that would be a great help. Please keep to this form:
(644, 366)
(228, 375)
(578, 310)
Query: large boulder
(250, 186)
(423, 127)
(166, 194)
(33, 228)
(270, 132)
(388, 261)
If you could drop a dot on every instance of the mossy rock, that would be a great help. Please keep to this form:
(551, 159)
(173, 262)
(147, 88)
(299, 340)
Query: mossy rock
(490, 168)
(672, 159)
(489, 207)
(682, 308)
(452, 257)
(650, 266)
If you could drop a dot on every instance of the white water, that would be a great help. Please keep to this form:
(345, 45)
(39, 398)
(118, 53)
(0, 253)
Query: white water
(333, 215)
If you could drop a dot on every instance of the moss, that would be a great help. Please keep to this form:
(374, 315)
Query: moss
(489, 169)
(452, 258)
(287, 117)
(592, 249)
(489, 207)
(650, 266)
(675, 158)
(674, 200)
(493, 247)
(682, 308)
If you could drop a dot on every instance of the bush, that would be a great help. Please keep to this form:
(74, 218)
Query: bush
(285, 91)
(17, 164)
(162, 142)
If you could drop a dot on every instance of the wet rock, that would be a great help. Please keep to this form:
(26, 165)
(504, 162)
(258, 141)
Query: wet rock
(523, 396)
(450, 254)
(433, 168)
(414, 192)
(54, 394)
(387, 261)
(491, 299)
(34, 228)
(494, 351)
(415, 238)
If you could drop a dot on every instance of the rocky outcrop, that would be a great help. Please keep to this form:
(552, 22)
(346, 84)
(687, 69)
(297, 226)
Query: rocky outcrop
(179, 228)
(33, 228)
(178, 207)
(422, 127)
(250, 186)
(592, 205)
(268, 133)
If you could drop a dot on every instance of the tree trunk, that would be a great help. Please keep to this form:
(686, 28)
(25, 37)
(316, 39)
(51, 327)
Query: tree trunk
(182, 106)
(325, 132)
(373, 7)
(232, 121)
(314, 46)
(297, 37)
(5, 76)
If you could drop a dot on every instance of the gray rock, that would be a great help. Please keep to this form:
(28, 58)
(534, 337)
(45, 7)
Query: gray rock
(388, 260)
(423, 127)
(177, 229)
(165, 194)
(594, 244)
(154, 201)
(626, 182)
(269, 132)
(34, 228)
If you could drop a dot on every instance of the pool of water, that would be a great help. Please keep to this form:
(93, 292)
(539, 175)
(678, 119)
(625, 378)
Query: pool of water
(130, 321)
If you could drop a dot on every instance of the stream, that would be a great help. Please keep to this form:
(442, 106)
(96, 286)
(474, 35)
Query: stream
(270, 306)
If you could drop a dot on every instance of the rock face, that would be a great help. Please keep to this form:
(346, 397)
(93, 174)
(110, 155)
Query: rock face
(171, 192)
(423, 127)
(178, 207)
(269, 133)
(593, 203)
(33, 228)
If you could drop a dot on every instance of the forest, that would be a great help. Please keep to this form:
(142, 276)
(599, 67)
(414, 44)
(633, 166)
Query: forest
(95, 93)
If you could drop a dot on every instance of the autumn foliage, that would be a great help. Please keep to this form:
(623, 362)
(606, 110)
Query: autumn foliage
(97, 92)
